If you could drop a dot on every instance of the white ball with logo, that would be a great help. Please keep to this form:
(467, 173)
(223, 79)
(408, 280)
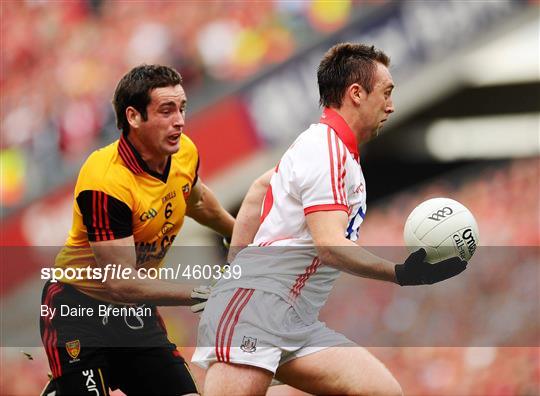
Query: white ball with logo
(444, 227)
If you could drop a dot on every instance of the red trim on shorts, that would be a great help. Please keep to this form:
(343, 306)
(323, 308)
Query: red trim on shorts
(325, 208)
(238, 312)
(233, 310)
(302, 279)
(50, 335)
(219, 353)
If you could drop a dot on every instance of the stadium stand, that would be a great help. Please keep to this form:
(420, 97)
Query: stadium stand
(67, 57)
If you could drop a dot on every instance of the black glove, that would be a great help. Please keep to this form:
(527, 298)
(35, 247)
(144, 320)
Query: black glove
(416, 271)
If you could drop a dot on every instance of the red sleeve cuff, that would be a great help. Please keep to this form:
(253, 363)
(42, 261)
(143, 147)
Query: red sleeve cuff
(325, 208)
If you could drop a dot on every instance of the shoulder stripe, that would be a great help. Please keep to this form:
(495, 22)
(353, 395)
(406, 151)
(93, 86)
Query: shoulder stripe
(104, 216)
(343, 174)
(329, 135)
(107, 225)
(339, 171)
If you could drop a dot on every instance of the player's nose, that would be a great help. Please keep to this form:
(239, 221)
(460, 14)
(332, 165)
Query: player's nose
(390, 106)
(179, 120)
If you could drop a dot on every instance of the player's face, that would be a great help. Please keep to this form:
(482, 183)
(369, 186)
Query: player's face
(378, 105)
(160, 133)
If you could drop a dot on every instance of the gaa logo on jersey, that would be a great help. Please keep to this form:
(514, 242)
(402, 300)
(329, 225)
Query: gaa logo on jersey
(73, 349)
(249, 344)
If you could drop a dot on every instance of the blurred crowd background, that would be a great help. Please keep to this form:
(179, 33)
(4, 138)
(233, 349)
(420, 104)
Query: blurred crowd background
(61, 61)
(466, 126)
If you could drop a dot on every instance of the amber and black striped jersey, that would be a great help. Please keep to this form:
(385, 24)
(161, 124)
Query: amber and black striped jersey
(117, 196)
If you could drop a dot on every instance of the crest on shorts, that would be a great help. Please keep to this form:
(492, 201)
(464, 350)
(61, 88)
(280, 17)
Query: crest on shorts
(73, 348)
(249, 344)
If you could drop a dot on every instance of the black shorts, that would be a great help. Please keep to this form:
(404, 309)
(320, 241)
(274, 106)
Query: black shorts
(116, 346)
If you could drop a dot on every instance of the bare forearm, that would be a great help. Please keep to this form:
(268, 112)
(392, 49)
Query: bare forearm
(248, 218)
(327, 229)
(358, 261)
(150, 291)
(136, 287)
(209, 212)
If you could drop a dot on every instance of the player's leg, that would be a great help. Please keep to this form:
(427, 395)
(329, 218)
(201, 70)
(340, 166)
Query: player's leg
(237, 341)
(151, 371)
(77, 361)
(92, 381)
(236, 379)
(49, 389)
(339, 370)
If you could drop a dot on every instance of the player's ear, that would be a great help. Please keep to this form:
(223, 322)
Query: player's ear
(356, 93)
(133, 117)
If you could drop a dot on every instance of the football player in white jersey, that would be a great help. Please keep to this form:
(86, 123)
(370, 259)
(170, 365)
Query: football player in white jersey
(265, 324)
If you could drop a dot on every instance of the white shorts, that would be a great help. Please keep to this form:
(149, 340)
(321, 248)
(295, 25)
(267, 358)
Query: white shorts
(257, 328)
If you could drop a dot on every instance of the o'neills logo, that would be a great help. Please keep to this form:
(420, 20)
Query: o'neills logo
(441, 213)
(73, 349)
(465, 243)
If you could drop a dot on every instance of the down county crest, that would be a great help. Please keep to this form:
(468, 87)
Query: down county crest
(185, 190)
(249, 344)
(73, 348)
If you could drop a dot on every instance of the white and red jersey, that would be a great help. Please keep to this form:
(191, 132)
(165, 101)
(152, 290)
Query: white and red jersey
(319, 172)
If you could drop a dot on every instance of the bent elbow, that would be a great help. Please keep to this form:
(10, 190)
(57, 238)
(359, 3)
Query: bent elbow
(325, 254)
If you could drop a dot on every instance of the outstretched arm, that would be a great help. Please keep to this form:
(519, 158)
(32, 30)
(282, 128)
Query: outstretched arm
(328, 230)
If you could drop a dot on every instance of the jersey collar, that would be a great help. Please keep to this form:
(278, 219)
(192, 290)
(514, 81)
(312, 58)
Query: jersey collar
(339, 125)
(134, 161)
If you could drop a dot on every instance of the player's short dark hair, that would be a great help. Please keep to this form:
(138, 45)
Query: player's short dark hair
(135, 87)
(345, 64)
